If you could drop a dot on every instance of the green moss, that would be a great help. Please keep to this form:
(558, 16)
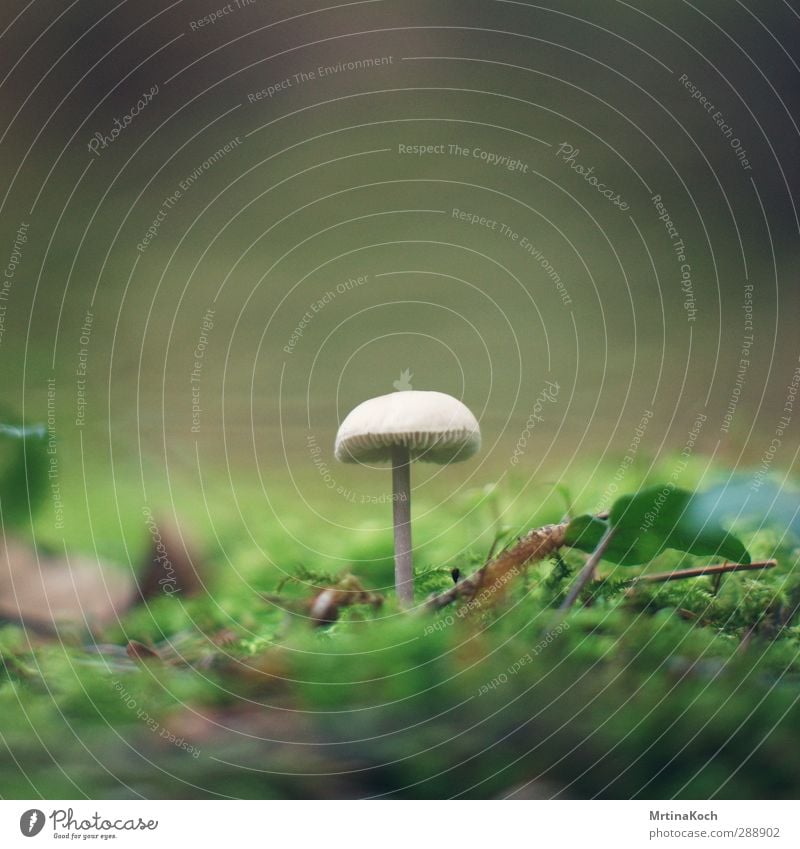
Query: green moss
(657, 690)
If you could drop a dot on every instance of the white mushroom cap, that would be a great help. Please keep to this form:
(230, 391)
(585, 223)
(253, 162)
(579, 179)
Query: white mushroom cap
(433, 426)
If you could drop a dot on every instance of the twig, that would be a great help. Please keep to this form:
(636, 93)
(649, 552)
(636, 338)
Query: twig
(587, 573)
(535, 546)
(699, 571)
(584, 576)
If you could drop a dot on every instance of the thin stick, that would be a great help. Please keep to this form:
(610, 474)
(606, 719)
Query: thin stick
(484, 585)
(586, 574)
(699, 571)
(401, 501)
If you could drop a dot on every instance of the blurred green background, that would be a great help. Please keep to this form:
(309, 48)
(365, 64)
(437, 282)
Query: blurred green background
(317, 193)
(175, 303)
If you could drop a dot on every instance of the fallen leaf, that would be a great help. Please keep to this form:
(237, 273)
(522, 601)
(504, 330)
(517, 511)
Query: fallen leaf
(46, 591)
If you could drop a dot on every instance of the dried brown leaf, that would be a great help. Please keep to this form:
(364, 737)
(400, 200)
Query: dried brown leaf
(46, 591)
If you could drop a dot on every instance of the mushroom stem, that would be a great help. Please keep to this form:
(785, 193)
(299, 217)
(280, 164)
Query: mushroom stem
(401, 502)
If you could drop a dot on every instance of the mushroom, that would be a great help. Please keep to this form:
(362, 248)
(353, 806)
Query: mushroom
(401, 427)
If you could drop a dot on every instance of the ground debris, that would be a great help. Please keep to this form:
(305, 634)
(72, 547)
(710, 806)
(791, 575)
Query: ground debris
(325, 607)
(492, 577)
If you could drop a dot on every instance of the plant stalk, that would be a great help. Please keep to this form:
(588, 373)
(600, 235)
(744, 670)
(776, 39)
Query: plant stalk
(587, 573)
(401, 508)
(700, 571)
(488, 582)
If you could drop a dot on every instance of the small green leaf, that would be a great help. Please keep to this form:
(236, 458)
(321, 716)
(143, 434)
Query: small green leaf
(652, 520)
(585, 532)
(673, 518)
